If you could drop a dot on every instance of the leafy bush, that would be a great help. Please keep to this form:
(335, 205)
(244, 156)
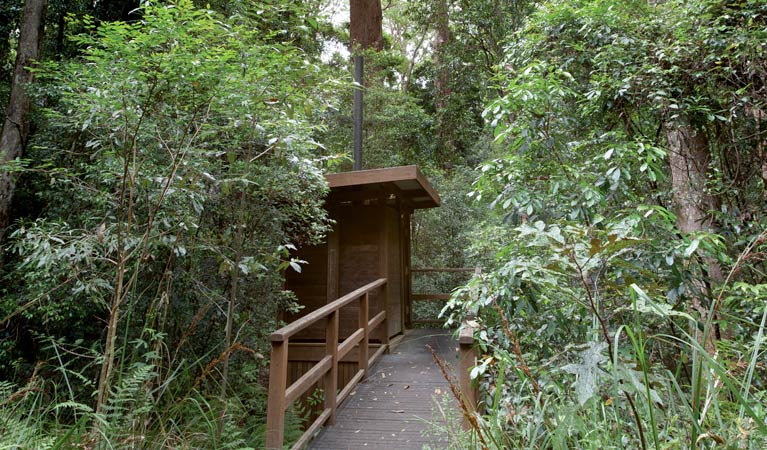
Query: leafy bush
(604, 321)
(178, 164)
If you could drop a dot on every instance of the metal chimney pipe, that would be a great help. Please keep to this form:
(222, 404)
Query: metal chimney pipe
(358, 78)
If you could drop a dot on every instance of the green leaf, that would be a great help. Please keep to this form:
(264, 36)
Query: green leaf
(691, 248)
(587, 371)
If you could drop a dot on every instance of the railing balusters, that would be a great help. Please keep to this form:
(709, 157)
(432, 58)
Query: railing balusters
(278, 371)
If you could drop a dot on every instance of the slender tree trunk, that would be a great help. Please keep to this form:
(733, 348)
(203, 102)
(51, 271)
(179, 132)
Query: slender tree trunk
(689, 159)
(107, 367)
(60, 32)
(412, 62)
(15, 125)
(124, 224)
(233, 290)
(761, 146)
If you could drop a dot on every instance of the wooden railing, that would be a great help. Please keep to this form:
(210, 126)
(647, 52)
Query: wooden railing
(417, 297)
(281, 395)
(467, 353)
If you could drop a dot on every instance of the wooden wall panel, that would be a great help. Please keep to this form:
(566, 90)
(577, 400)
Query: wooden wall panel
(359, 251)
(310, 286)
(370, 240)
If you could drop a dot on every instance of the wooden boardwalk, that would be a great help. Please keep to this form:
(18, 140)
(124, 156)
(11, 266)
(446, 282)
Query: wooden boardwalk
(402, 404)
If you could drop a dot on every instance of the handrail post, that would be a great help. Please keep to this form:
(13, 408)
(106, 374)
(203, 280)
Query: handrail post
(385, 324)
(278, 377)
(364, 324)
(468, 359)
(331, 378)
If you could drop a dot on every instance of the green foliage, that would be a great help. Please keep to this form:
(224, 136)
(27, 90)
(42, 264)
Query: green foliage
(466, 63)
(396, 130)
(178, 168)
(162, 145)
(10, 12)
(602, 325)
(440, 237)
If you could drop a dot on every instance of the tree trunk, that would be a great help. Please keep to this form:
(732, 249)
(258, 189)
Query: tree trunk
(15, 125)
(446, 142)
(366, 24)
(689, 159)
(441, 39)
(761, 146)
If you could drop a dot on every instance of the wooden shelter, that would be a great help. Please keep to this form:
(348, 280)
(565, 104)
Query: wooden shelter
(370, 240)
(355, 288)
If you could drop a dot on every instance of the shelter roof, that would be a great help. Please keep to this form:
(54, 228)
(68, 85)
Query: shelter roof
(406, 183)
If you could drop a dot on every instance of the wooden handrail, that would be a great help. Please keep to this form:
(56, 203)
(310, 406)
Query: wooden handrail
(467, 352)
(444, 269)
(294, 327)
(281, 395)
(432, 296)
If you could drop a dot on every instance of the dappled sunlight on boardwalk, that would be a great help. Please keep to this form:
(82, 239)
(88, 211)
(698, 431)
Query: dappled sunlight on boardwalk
(402, 402)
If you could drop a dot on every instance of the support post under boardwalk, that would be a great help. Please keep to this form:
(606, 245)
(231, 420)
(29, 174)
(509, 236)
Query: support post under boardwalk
(278, 376)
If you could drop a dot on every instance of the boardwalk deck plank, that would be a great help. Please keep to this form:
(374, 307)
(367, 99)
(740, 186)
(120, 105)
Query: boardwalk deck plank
(401, 403)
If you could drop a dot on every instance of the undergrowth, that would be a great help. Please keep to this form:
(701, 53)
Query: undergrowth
(137, 417)
(574, 360)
